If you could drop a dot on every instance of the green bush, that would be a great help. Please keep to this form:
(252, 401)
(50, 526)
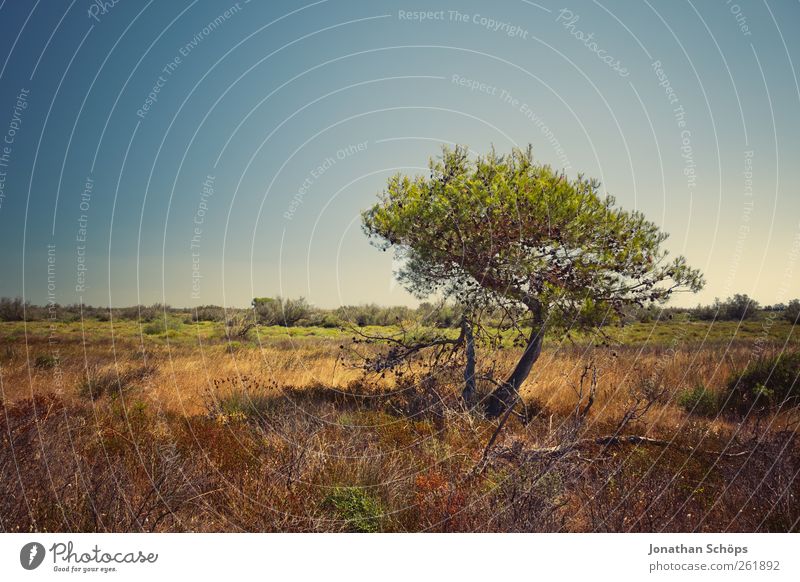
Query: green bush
(765, 384)
(158, 326)
(281, 311)
(45, 362)
(699, 401)
(13, 309)
(792, 311)
(355, 506)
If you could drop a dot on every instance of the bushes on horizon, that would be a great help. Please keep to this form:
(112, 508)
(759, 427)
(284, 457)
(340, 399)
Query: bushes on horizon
(373, 314)
(281, 311)
(13, 309)
(298, 312)
(739, 307)
(209, 313)
(792, 311)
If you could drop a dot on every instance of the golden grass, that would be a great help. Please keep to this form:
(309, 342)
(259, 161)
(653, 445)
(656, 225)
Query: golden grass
(284, 435)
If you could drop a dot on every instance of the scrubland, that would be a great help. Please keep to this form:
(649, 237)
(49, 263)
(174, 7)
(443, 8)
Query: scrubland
(108, 426)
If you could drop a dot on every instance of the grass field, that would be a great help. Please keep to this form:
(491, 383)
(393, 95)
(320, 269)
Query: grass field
(126, 427)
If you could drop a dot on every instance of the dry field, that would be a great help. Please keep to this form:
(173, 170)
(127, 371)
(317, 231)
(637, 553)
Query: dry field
(106, 428)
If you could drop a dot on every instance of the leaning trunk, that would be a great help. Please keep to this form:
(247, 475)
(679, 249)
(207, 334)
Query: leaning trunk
(506, 394)
(468, 394)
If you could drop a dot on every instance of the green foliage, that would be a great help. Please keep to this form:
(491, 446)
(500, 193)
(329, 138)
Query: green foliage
(280, 311)
(12, 309)
(765, 384)
(160, 325)
(208, 313)
(503, 229)
(446, 315)
(792, 311)
(371, 314)
(355, 506)
(45, 362)
(738, 307)
(699, 401)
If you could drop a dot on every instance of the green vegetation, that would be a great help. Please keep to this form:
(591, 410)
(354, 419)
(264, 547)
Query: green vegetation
(300, 314)
(699, 400)
(353, 505)
(45, 362)
(766, 384)
(664, 332)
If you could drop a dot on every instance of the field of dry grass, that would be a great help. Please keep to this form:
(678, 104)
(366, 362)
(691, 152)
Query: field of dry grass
(186, 431)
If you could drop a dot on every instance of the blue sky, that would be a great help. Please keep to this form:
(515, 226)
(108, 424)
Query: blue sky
(231, 147)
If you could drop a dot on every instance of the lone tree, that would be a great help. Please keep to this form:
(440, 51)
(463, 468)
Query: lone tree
(504, 233)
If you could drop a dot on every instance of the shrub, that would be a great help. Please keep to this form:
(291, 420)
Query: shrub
(706, 312)
(159, 326)
(45, 362)
(792, 311)
(698, 400)
(765, 384)
(280, 311)
(208, 313)
(738, 308)
(329, 321)
(233, 346)
(12, 309)
(239, 325)
(355, 506)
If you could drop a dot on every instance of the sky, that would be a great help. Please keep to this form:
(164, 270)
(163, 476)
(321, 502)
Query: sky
(206, 152)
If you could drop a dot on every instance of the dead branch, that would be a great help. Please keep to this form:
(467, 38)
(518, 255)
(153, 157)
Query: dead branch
(516, 452)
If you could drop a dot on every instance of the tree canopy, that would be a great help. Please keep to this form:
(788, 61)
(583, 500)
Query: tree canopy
(505, 228)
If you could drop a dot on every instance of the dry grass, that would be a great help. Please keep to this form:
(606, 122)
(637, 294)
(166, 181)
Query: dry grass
(205, 435)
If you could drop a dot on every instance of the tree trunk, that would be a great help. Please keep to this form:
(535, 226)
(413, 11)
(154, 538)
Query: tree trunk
(505, 394)
(468, 394)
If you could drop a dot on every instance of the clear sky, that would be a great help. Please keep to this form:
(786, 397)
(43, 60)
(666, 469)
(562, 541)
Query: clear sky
(204, 152)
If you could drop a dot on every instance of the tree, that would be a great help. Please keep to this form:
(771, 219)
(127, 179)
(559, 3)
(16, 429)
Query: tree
(13, 309)
(502, 232)
(739, 307)
(280, 311)
(792, 312)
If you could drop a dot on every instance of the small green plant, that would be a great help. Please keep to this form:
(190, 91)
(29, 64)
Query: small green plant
(355, 506)
(159, 326)
(233, 346)
(699, 400)
(765, 384)
(45, 362)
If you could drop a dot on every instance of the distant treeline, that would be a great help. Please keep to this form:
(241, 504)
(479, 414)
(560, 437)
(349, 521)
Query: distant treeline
(298, 312)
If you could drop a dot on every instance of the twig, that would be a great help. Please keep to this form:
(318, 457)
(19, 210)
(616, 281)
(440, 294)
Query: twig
(482, 464)
(605, 441)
